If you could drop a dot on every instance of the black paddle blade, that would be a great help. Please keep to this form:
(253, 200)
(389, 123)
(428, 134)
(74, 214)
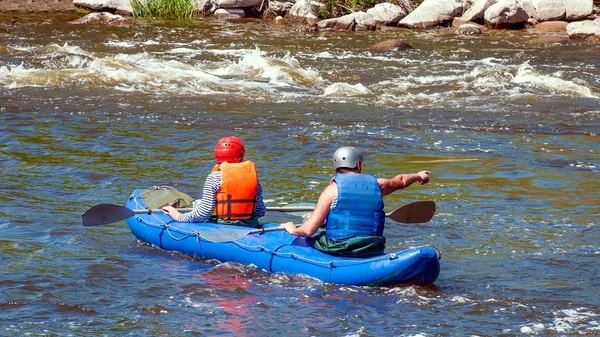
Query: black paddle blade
(415, 212)
(103, 214)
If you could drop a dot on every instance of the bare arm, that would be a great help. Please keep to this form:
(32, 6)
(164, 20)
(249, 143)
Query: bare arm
(318, 216)
(401, 181)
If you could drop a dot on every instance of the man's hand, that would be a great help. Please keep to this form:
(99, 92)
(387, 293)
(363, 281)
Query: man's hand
(423, 177)
(289, 227)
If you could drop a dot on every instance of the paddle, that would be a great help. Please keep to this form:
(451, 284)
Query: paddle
(415, 212)
(103, 214)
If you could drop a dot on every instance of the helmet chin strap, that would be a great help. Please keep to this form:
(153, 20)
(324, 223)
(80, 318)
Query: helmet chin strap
(359, 167)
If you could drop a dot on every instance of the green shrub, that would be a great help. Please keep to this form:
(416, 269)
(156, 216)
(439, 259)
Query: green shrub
(337, 8)
(166, 9)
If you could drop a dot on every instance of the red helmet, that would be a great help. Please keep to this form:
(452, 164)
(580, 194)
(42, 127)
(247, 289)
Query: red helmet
(229, 149)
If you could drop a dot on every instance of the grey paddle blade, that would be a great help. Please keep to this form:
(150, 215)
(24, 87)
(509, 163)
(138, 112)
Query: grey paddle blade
(103, 214)
(224, 234)
(415, 212)
(232, 234)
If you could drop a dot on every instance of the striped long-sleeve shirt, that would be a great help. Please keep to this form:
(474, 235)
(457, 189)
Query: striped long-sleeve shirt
(203, 208)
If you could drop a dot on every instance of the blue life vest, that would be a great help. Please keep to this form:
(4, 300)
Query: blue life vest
(359, 209)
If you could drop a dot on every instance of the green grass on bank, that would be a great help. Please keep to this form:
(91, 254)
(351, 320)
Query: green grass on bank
(184, 9)
(164, 9)
(337, 8)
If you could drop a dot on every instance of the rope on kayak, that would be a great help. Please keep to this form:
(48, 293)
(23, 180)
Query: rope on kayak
(168, 228)
(329, 264)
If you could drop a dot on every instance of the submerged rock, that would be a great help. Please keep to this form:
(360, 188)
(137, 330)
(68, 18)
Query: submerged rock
(390, 45)
(104, 18)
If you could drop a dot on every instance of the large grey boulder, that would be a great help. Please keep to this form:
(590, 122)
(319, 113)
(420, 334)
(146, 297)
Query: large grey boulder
(280, 8)
(357, 21)
(387, 14)
(237, 3)
(433, 13)
(122, 7)
(553, 10)
(477, 10)
(506, 14)
(305, 11)
(585, 30)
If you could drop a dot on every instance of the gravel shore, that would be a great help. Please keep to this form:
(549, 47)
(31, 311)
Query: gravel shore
(37, 6)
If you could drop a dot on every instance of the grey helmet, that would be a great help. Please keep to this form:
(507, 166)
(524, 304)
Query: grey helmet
(346, 156)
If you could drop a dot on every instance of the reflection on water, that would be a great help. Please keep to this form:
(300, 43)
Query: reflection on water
(507, 124)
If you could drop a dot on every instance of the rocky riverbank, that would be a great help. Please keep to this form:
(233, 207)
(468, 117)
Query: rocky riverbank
(580, 18)
(30, 6)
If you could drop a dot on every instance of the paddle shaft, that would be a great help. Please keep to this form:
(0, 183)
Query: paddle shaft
(272, 209)
(103, 214)
(416, 212)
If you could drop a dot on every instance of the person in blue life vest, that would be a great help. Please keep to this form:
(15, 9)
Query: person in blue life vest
(351, 206)
(231, 194)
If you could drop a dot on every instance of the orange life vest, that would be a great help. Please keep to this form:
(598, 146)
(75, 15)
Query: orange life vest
(236, 198)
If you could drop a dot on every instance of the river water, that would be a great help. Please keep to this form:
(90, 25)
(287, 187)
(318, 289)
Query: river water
(508, 122)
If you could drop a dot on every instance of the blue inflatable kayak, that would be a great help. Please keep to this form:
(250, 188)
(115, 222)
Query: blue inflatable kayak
(278, 251)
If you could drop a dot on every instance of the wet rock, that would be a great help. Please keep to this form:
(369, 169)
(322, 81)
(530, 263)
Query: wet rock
(469, 29)
(104, 18)
(204, 7)
(327, 24)
(358, 21)
(227, 4)
(390, 45)
(553, 26)
(585, 30)
(229, 13)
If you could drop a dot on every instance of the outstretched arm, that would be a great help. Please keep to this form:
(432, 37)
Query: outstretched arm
(401, 181)
(318, 216)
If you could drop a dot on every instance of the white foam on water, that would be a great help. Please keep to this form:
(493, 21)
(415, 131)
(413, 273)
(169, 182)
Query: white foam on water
(410, 295)
(123, 44)
(358, 333)
(582, 320)
(580, 164)
(64, 49)
(526, 75)
(281, 71)
(255, 73)
(182, 50)
(345, 90)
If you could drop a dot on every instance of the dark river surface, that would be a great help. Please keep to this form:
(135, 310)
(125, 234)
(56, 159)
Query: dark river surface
(508, 122)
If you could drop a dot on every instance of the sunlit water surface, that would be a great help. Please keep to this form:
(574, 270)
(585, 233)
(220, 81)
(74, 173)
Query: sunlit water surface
(508, 122)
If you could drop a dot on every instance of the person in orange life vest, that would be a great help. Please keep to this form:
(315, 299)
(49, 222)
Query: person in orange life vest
(352, 208)
(232, 193)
